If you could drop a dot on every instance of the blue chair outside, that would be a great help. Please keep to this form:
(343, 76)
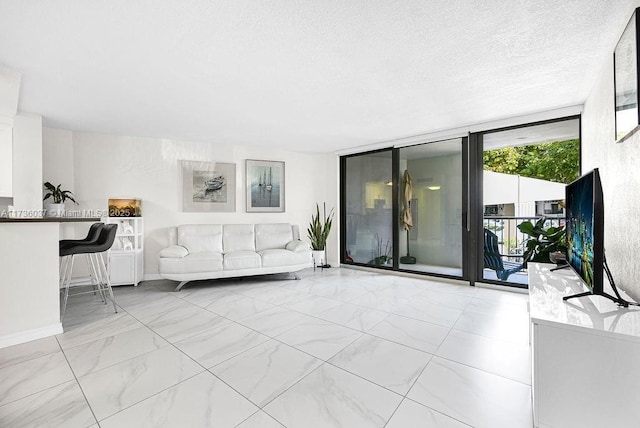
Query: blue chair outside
(493, 258)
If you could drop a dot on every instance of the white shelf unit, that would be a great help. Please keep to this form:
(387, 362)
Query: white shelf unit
(126, 257)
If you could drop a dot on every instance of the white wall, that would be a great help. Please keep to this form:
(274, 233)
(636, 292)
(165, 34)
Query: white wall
(57, 154)
(618, 164)
(501, 188)
(533, 189)
(6, 159)
(27, 162)
(9, 91)
(57, 168)
(107, 166)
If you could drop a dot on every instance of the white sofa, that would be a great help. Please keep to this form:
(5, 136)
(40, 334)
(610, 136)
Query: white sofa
(210, 251)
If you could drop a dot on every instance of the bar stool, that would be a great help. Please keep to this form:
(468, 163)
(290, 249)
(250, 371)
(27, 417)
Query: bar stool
(92, 237)
(97, 266)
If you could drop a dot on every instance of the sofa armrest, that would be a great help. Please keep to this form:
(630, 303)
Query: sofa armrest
(298, 246)
(174, 252)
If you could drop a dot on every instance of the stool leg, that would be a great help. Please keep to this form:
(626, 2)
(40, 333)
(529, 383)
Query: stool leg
(67, 281)
(64, 263)
(101, 276)
(62, 270)
(92, 278)
(96, 274)
(106, 280)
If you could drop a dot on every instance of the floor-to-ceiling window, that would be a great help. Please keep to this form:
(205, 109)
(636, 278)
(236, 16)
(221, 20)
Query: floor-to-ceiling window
(452, 208)
(431, 199)
(524, 173)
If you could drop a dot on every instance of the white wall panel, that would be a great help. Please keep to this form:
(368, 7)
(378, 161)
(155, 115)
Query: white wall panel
(108, 166)
(618, 163)
(27, 162)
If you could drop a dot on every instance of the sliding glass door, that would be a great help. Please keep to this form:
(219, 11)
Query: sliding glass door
(431, 199)
(368, 194)
(453, 208)
(402, 208)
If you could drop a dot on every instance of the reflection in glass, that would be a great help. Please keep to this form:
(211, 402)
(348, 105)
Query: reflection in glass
(369, 206)
(434, 241)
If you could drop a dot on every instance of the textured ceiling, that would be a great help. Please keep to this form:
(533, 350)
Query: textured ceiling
(311, 75)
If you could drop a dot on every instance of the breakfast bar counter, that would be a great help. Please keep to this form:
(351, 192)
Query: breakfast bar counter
(47, 219)
(29, 288)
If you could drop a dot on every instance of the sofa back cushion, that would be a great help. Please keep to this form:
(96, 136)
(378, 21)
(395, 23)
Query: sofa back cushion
(238, 237)
(198, 238)
(272, 236)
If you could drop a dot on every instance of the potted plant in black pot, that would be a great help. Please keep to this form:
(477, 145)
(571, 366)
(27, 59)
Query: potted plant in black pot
(318, 232)
(382, 253)
(544, 245)
(59, 196)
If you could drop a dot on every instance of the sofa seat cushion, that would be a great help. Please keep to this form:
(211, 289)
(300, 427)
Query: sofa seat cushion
(242, 260)
(192, 263)
(278, 257)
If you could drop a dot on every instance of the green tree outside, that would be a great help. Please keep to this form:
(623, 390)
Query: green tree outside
(558, 161)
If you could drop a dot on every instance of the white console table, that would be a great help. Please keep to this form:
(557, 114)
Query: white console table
(585, 355)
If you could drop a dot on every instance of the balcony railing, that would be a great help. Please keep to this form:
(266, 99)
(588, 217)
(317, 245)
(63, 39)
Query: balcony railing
(512, 242)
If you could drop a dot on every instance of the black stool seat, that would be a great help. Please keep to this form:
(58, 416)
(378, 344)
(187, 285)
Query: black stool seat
(92, 236)
(106, 236)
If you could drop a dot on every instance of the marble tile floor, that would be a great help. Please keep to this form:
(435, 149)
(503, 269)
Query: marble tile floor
(338, 348)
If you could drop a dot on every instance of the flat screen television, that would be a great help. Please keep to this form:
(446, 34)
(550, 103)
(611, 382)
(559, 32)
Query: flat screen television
(585, 235)
(585, 229)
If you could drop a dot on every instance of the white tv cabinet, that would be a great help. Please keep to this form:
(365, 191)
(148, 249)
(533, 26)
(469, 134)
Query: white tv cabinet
(585, 355)
(126, 257)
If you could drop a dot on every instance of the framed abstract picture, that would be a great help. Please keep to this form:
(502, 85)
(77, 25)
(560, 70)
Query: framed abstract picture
(625, 71)
(208, 186)
(265, 186)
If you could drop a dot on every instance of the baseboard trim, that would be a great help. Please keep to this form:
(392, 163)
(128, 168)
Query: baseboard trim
(518, 290)
(406, 274)
(29, 335)
(151, 276)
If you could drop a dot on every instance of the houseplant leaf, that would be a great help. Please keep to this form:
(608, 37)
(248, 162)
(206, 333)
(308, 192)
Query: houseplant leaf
(542, 241)
(318, 230)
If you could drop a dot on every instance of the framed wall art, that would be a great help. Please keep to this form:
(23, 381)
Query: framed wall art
(625, 71)
(208, 186)
(265, 186)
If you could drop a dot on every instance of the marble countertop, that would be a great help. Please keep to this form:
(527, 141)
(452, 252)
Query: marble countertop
(595, 313)
(47, 219)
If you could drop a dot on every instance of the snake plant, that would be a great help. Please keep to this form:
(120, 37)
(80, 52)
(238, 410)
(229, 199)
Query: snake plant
(319, 229)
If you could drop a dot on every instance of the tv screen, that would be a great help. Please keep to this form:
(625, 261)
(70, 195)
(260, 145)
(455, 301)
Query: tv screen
(585, 229)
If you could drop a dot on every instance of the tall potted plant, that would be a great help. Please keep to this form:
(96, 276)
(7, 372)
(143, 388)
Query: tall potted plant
(318, 232)
(59, 196)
